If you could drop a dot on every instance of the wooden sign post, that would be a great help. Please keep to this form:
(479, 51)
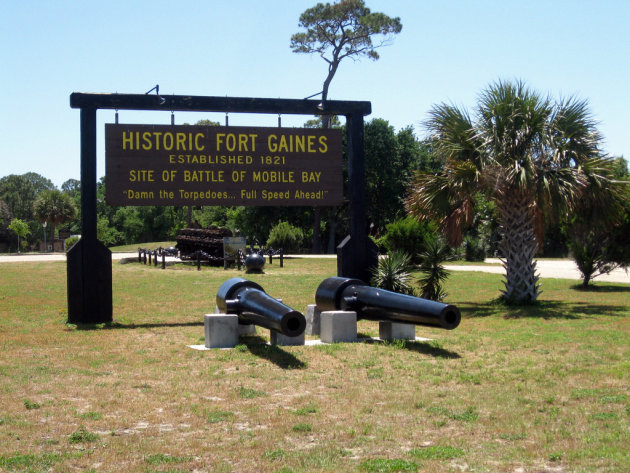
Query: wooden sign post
(89, 265)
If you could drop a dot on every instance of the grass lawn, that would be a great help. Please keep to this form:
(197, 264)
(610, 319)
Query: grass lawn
(134, 247)
(512, 389)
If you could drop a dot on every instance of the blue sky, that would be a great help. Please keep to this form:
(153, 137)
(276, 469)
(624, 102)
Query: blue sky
(448, 51)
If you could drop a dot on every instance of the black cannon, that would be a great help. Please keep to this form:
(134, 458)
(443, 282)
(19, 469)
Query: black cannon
(254, 306)
(372, 303)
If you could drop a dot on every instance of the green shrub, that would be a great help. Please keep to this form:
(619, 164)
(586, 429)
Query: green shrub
(285, 236)
(410, 236)
(393, 273)
(434, 274)
(70, 242)
(474, 249)
(82, 436)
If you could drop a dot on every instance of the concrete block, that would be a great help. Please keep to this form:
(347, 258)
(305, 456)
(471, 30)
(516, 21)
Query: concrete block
(280, 339)
(312, 320)
(221, 330)
(396, 331)
(338, 326)
(244, 329)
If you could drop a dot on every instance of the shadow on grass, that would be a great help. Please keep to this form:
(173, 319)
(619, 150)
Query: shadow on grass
(429, 348)
(426, 348)
(121, 326)
(565, 310)
(364, 336)
(608, 288)
(542, 310)
(283, 359)
(474, 310)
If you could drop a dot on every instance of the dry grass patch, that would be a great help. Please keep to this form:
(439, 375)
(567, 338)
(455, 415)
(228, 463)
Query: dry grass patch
(543, 388)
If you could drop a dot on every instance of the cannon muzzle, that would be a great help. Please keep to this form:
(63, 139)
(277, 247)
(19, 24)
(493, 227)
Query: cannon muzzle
(253, 305)
(372, 303)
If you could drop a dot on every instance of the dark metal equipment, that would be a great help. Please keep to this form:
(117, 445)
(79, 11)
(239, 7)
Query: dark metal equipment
(254, 306)
(372, 303)
(254, 262)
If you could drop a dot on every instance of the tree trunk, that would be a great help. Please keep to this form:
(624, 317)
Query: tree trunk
(317, 211)
(332, 226)
(317, 238)
(519, 247)
(52, 235)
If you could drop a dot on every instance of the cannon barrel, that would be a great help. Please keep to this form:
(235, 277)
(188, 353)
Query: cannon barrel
(338, 293)
(254, 306)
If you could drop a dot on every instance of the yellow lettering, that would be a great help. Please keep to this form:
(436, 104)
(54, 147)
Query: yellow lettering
(146, 138)
(157, 135)
(127, 140)
(168, 145)
(141, 175)
(199, 147)
(311, 176)
(323, 144)
(300, 143)
(271, 143)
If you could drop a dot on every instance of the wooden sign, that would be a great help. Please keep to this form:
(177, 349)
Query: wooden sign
(231, 245)
(212, 165)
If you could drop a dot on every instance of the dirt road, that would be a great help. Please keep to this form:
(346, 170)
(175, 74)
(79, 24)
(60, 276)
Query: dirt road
(562, 269)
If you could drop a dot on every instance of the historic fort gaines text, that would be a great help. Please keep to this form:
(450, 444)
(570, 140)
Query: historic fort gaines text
(215, 165)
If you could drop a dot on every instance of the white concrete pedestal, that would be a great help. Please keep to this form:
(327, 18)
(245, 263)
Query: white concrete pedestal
(221, 330)
(312, 320)
(338, 326)
(280, 339)
(396, 331)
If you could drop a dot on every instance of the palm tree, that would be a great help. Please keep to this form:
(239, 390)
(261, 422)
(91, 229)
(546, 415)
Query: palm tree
(54, 207)
(530, 155)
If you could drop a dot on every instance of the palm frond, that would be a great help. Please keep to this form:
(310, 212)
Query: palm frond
(447, 197)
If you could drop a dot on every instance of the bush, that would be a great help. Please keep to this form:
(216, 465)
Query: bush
(474, 249)
(393, 273)
(70, 242)
(285, 236)
(434, 273)
(410, 236)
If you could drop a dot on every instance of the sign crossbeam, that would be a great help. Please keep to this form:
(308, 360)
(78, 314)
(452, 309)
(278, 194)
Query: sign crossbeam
(193, 103)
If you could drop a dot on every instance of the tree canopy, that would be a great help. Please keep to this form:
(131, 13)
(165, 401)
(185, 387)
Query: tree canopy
(54, 207)
(20, 228)
(19, 192)
(340, 30)
(337, 31)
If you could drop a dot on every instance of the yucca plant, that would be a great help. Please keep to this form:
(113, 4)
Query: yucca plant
(434, 273)
(393, 273)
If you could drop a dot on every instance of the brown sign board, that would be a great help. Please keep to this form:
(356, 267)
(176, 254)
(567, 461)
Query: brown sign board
(213, 165)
